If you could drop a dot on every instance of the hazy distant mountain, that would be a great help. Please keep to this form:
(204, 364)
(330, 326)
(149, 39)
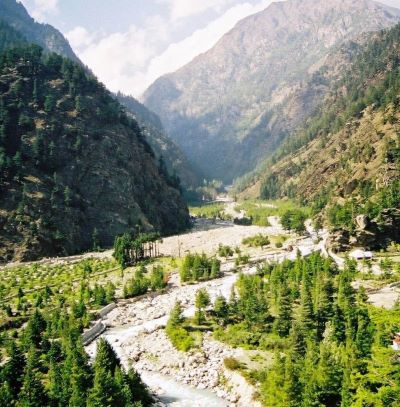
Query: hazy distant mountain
(162, 145)
(228, 108)
(49, 38)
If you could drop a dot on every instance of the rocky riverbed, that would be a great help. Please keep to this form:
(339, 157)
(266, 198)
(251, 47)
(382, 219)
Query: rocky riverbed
(135, 331)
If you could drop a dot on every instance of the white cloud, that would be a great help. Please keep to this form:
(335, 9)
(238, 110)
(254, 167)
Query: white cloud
(186, 8)
(115, 58)
(130, 61)
(43, 8)
(181, 53)
(80, 38)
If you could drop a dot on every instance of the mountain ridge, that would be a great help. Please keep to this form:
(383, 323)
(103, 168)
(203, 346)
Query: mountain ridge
(212, 105)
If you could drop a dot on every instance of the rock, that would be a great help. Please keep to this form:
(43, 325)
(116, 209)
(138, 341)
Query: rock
(362, 222)
(233, 398)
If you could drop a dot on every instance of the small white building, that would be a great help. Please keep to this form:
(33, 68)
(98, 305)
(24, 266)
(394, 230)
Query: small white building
(396, 342)
(360, 254)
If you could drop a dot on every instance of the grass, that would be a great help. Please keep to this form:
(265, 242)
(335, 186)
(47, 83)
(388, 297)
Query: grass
(212, 210)
(260, 210)
(34, 277)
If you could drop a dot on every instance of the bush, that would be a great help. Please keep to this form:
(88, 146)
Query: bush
(242, 260)
(197, 267)
(243, 221)
(180, 338)
(256, 241)
(294, 220)
(225, 251)
(232, 364)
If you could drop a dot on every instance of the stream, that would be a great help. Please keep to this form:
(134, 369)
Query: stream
(169, 391)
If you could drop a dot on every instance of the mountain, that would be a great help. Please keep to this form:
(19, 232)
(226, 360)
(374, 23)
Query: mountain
(345, 160)
(151, 126)
(50, 39)
(16, 27)
(74, 167)
(228, 109)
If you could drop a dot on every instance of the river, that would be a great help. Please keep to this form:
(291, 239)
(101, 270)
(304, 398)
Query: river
(136, 335)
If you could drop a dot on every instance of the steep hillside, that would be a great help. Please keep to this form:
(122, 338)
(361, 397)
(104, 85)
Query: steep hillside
(346, 159)
(17, 27)
(162, 145)
(228, 108)
(73, 167)
(14, 14)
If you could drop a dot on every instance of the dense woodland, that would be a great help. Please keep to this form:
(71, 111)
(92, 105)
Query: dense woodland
(327, 346)
(44, 309)
(48, 366)
(57, 123)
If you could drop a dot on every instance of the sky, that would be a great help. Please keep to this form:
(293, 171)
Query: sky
(128, 44)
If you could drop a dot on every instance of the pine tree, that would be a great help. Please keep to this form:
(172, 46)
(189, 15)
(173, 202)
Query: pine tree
(79, 376)
(138, 389)
(104, 392)
(330, 371)
(297, 340)
(33, 393)
(202, 300)
(221, 309)
(324, 306)
(55, 386)
(215, 268)
(13, 370)
(233, 303)
(365, 333)
(293, 387)
(35, 328)
(106, 357)
(283, 321)
(176, 317)
(306, 313)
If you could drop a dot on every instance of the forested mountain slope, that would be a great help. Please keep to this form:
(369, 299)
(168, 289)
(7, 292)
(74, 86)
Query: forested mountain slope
(346, 158)
(228, 108)
(73, 166)
(17, 27)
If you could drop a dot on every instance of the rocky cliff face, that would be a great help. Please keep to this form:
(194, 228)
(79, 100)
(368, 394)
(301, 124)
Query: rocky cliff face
(74, 169)
(225, 107)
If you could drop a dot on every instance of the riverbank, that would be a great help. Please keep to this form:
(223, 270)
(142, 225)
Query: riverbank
(135, 330)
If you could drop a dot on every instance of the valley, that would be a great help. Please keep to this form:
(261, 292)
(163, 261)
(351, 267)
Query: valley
(229, 238)
(135, 327)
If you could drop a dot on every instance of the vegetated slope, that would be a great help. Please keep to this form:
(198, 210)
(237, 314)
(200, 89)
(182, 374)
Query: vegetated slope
(224, 109)
(50, 39)
(346, 159)
(16, 27)
(73, 167)
(151, 126)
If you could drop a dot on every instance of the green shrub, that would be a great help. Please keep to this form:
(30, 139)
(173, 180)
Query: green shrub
(232, 363)
(180, 338)
(256, 241)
